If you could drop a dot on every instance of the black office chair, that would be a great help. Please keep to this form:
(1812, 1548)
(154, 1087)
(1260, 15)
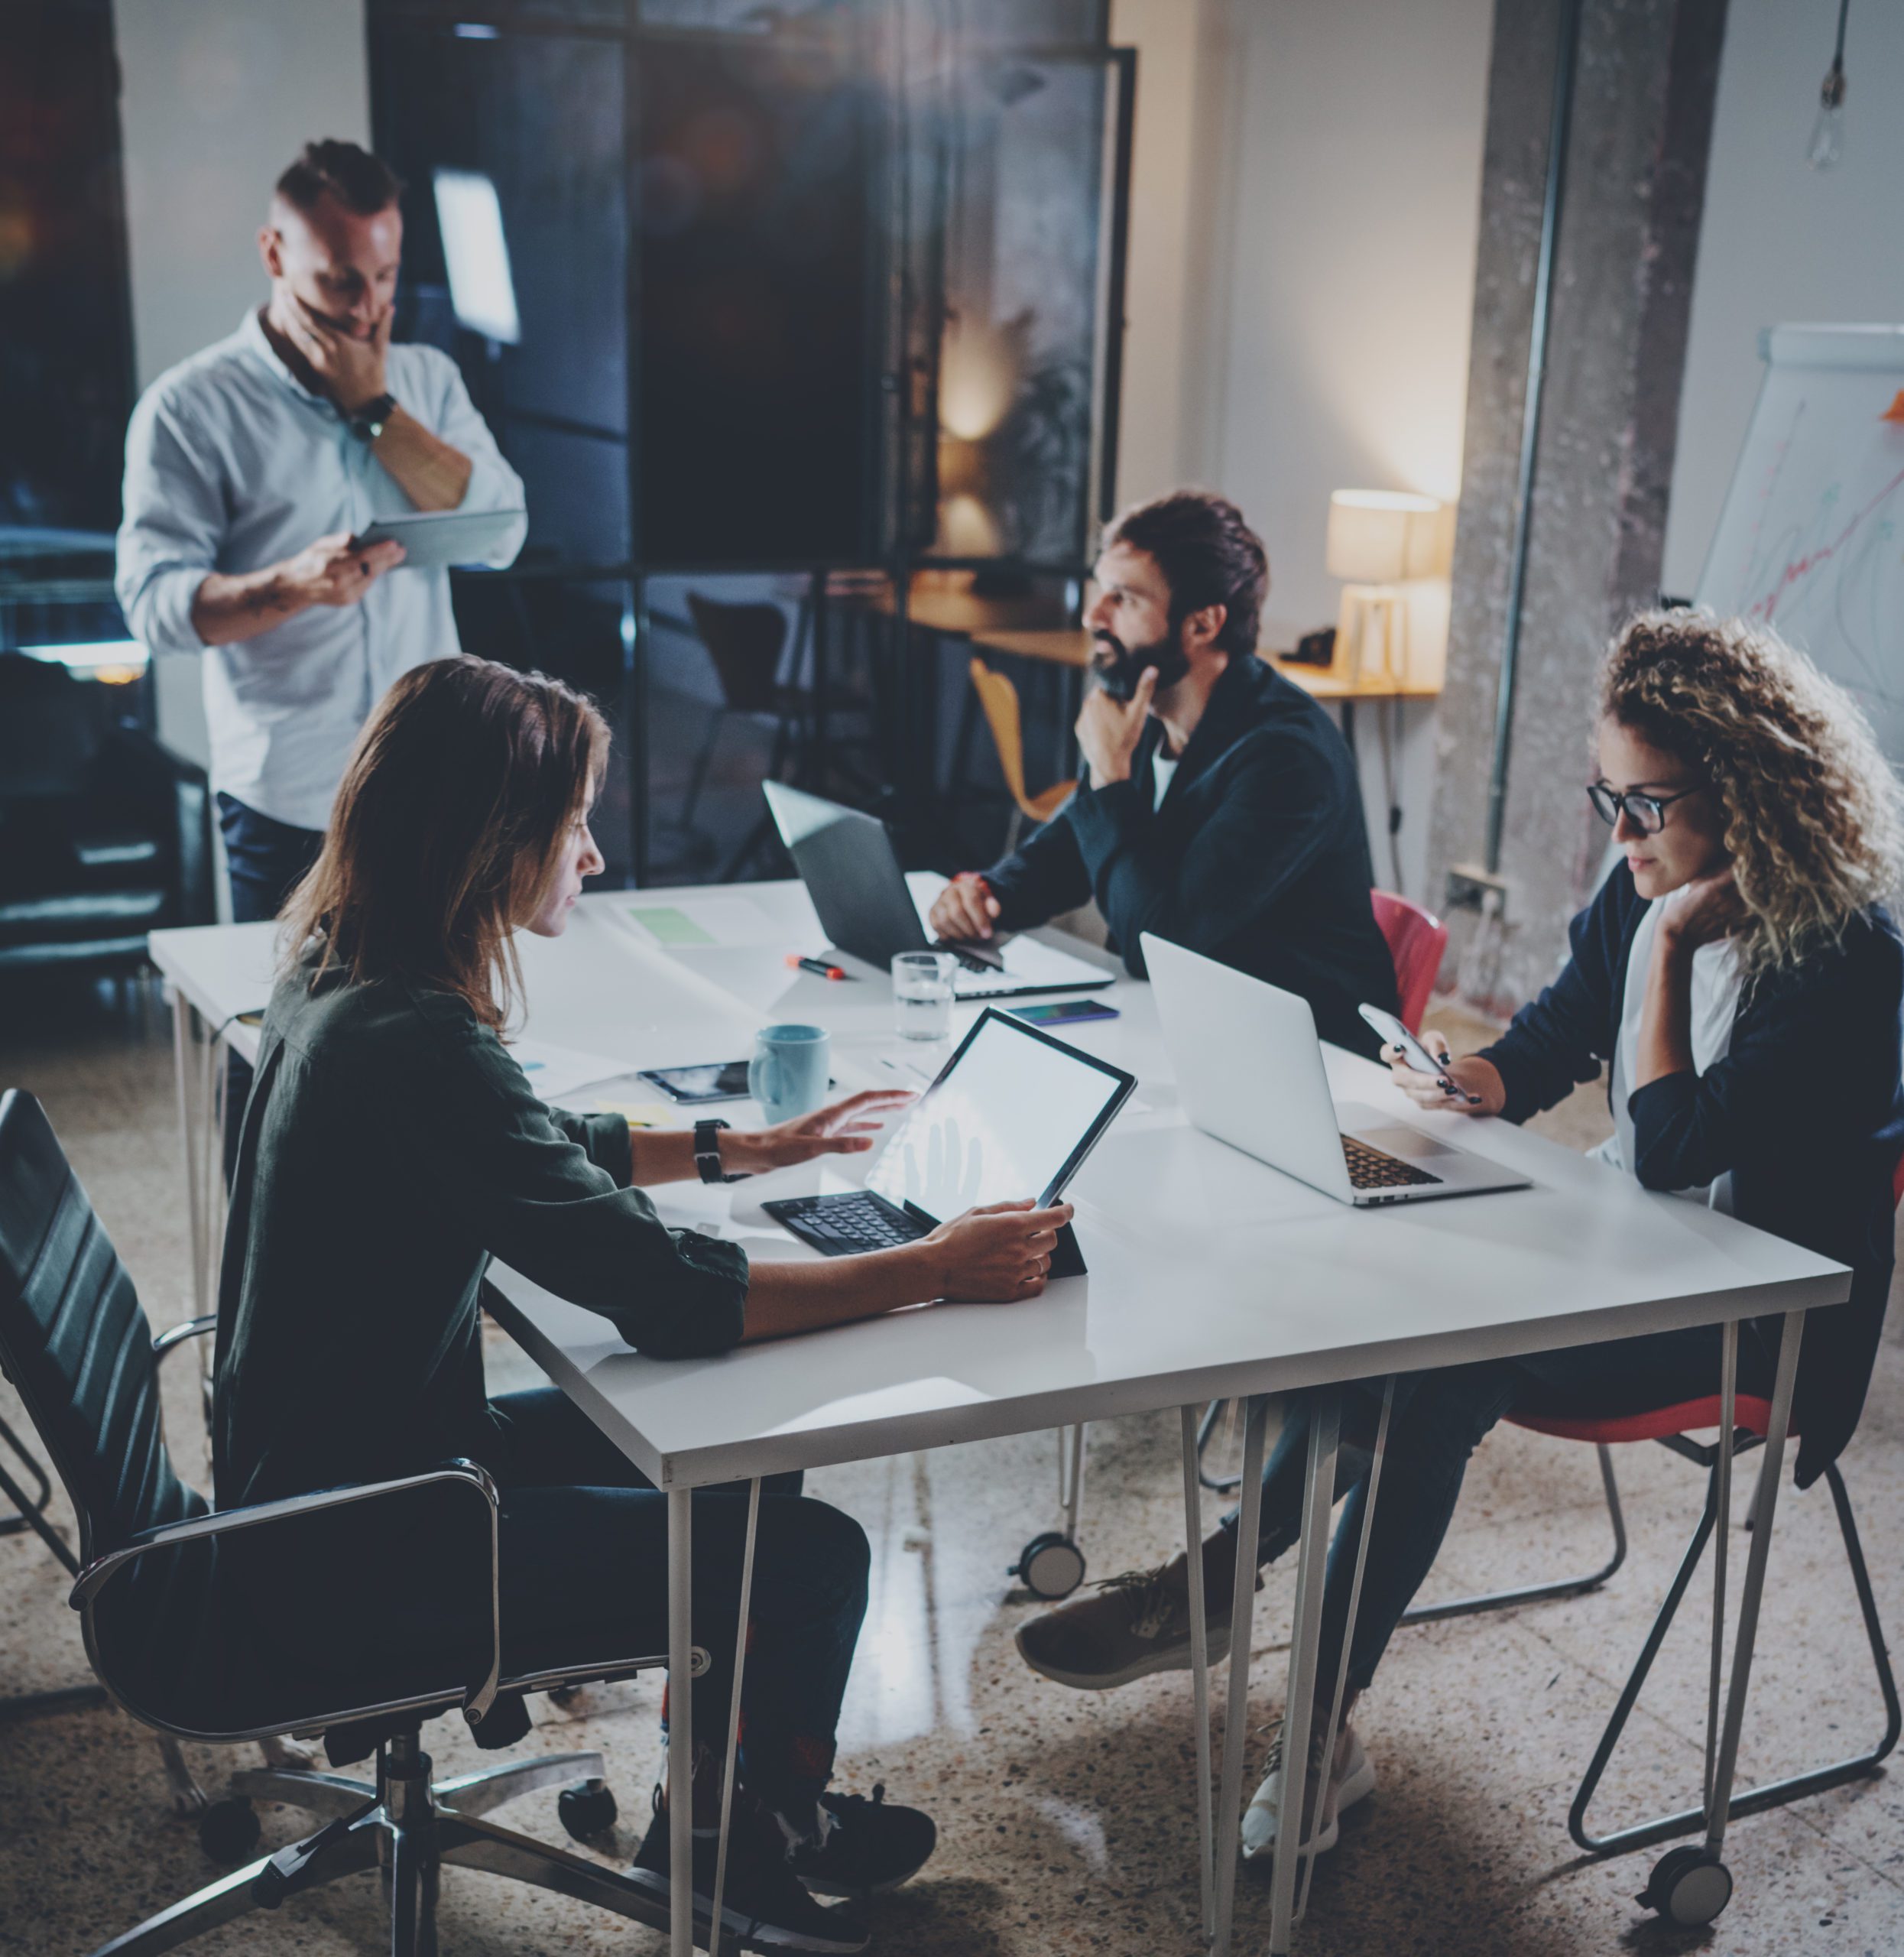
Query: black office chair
(178, 1638)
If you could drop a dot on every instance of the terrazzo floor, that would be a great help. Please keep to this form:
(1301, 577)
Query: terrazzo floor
(1066, 1817)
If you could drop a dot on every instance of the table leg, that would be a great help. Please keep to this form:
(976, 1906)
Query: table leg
(1318, 1491)
(1722, 1508)
(1354, 1606)
(734, 1712)
(680, 1724)
(1235, 1712)
(1765, 1505)
(189, 1140)
(1199, 1666)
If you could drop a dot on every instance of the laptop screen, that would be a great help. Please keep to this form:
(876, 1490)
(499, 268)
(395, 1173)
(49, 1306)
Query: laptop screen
(1013, 1114)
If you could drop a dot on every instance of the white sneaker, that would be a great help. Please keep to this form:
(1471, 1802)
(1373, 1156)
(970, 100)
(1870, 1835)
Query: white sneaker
(1351, 1779)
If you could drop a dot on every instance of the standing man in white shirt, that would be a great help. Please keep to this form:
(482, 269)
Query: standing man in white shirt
(250, 467)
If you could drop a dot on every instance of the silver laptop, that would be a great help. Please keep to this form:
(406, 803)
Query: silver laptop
(851, 872)
(1249, 1069)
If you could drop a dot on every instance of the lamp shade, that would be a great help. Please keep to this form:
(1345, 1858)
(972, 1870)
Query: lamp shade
(1385, 536)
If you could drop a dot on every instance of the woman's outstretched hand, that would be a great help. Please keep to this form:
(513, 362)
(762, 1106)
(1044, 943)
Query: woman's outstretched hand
(845, 1127)
(1479, 1089)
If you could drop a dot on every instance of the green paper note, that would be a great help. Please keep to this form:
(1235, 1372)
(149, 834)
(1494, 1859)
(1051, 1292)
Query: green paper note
(670, 927)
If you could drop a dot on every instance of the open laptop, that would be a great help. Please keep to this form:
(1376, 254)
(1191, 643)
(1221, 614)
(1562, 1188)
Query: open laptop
(1013, 1113)
(851, 872)
(1249, 1069)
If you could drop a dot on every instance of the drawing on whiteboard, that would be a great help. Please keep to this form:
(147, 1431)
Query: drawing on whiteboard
(1812, 539)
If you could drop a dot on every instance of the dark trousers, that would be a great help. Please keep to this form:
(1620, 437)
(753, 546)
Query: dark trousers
(1439, 1419)
(263, 858)
(584, 1561)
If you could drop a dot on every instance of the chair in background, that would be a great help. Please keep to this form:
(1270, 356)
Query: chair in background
(179, 1643)
(1416, 939)
(105, 833)
(999, 698)
(746, 644)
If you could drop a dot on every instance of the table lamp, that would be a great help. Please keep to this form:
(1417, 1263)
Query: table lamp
(1379, 539)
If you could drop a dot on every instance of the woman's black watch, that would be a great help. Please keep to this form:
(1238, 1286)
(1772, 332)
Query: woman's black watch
(707, 1153)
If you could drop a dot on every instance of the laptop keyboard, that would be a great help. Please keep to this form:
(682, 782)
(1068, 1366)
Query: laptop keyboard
(855, 1222)
(1370, 1169)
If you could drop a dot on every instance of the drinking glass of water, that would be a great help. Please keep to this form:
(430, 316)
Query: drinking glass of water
(923, 993)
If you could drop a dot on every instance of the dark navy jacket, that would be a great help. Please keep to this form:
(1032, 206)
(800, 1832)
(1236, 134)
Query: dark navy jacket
(1805, 1110)
(1258, 856)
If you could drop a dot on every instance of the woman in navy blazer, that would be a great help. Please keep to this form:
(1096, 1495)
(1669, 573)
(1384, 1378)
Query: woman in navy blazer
(1739, 972)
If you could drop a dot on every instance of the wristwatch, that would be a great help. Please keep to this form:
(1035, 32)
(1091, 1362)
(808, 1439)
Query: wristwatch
(368, 422)
(707, 1153)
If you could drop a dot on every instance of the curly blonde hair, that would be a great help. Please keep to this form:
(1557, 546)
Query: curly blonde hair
(1814, 816)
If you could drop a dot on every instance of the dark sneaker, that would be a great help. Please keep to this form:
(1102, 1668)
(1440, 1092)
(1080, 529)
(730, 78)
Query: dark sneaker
(1138, 1623)
(863, 1847)
(764, 1905)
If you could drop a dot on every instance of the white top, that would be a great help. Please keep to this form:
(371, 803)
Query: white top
(1163, 771)
(1211, 1275)
(231, 464)
(1715, 1005)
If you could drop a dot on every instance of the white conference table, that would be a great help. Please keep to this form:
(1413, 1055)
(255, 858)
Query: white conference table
(1211, 1277)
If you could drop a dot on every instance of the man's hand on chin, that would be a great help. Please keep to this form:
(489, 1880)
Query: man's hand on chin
(1108, 730)
(351, 369)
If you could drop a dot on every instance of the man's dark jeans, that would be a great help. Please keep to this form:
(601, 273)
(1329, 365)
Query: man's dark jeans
(263, 858)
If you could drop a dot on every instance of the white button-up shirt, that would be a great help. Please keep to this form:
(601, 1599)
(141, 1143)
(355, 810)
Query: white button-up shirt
(231, 465)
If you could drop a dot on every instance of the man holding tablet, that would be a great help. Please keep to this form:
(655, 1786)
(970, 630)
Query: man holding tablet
(251, 471)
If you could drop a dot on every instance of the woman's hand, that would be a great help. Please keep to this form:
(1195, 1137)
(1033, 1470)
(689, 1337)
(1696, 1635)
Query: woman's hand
(1479, 1089)
(997, 1254)
(1701, 912)
(846, 1127)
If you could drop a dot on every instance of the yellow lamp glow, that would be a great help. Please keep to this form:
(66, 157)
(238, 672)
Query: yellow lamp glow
(1378, 538)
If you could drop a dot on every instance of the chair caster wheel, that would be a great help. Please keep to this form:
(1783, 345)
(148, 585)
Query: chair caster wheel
(229, 1830)
(587, 1809)
(1051, 1567)
(1688, 1887)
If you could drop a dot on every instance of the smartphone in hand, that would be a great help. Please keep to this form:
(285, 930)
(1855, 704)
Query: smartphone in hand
(1418, 1057)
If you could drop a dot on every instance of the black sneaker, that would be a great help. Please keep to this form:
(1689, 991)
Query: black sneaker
(763, 1904)
(864, 1847)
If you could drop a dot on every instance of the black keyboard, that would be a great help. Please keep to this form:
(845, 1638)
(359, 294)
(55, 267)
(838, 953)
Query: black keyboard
(838, 1224)
(1370, 1169)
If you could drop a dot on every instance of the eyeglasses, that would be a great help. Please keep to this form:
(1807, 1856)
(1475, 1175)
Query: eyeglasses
(1646, 813)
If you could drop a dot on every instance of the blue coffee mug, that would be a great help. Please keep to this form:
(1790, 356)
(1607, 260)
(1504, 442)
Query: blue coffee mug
(788, 1073)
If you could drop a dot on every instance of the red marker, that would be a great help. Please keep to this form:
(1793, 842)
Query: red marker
(818, 966)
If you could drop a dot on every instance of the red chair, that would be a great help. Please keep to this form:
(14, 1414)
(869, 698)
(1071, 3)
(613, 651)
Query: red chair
(1416, 939)
(1670, 1426)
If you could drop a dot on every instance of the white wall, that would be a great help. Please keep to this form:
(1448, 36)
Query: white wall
(217, 96)
(1305, 210)
(1781, 241)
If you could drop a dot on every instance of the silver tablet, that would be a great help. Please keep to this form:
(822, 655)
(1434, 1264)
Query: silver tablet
(438, 538)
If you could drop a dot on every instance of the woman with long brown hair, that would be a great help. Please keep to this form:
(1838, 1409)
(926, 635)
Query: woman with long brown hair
(1740, 975)
(391, 1146)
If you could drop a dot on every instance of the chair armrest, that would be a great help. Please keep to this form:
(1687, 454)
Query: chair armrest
(101, 1571)
(176, 1335)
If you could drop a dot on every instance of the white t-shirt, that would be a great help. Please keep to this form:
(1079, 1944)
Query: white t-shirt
(1715, 1004)
(1162, 769)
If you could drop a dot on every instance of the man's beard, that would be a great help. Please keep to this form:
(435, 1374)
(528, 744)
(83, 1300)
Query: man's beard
(1119, 667)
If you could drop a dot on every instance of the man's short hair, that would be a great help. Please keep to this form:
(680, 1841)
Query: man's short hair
(359, 181)
(1209, 556)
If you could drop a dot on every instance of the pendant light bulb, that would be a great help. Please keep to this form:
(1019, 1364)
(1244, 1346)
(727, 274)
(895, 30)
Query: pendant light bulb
(1827, 145)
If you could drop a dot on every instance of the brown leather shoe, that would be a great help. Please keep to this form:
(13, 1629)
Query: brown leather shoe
(1138, 1623)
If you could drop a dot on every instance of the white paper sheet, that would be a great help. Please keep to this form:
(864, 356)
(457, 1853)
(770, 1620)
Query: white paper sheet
(556, 1072)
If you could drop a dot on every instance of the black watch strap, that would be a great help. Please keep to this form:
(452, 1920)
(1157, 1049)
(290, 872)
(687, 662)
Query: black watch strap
(368, 422)
(707, 1152)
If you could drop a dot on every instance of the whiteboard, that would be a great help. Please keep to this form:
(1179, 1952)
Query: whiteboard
(1810, 541)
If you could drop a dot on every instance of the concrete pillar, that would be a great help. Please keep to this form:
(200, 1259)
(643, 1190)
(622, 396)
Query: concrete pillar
(1645, 78)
